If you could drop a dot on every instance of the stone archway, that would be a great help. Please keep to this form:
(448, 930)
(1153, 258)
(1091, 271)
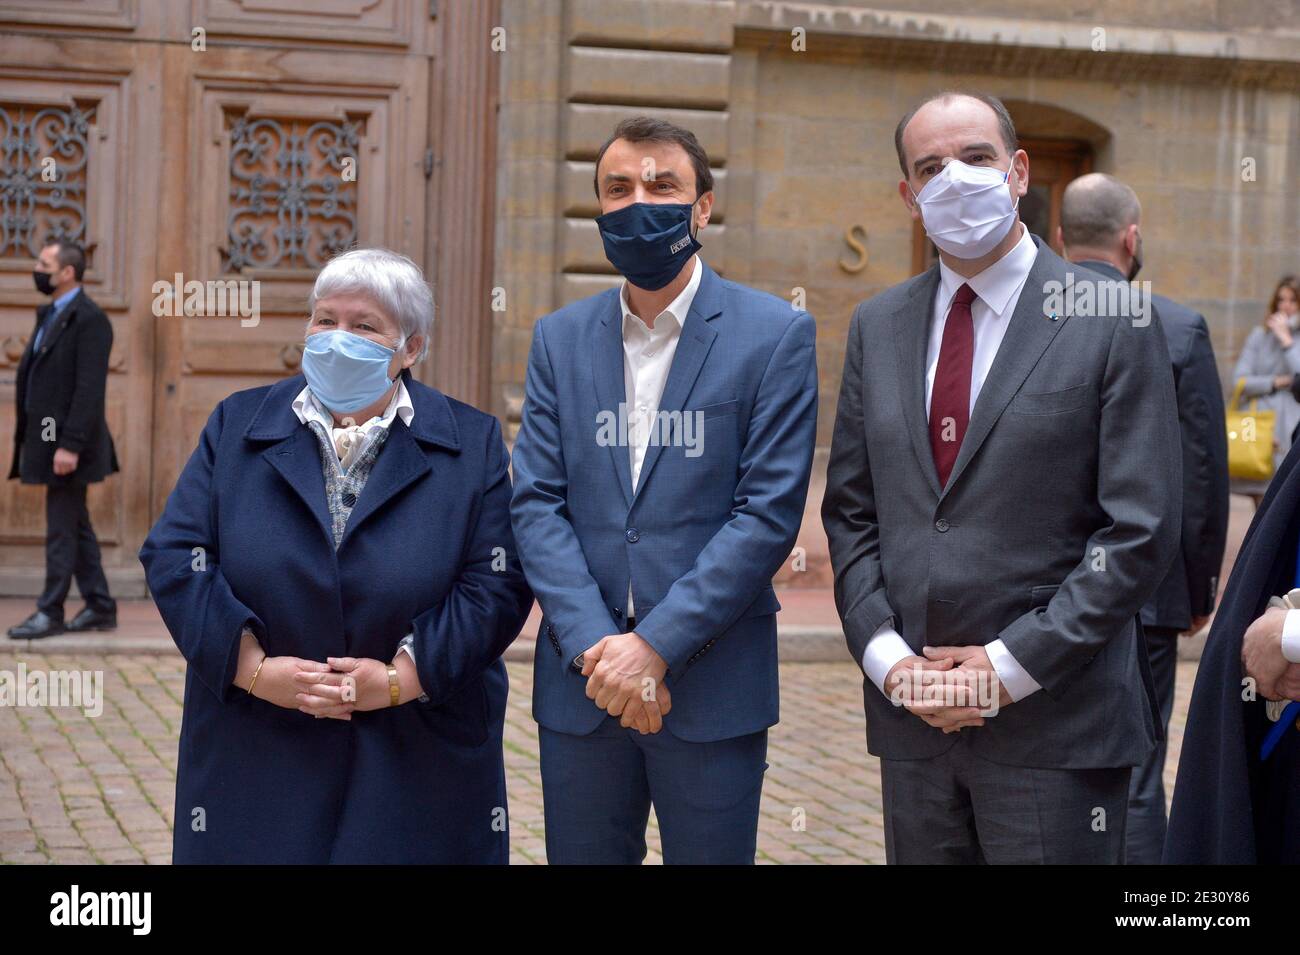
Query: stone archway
(1062, 145)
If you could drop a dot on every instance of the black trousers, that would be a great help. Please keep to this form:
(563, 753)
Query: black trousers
(1146, 798)
(71, 550)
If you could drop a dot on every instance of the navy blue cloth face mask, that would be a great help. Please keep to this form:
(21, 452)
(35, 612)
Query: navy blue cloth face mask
(648, 242)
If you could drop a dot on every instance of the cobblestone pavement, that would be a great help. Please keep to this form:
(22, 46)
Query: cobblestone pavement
(79, 789)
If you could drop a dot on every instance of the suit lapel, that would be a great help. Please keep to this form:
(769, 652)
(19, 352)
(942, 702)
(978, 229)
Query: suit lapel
(692, 348)
(297, 459)
(51, 334)
(911, 336)
(611, 388)
(1027, 337)
(404, 459)
(296, 453)
(400, 463)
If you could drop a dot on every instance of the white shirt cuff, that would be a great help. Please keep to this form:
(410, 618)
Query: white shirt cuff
(1011, 674)
(406, 643)
(1291, 636)
(885, 648)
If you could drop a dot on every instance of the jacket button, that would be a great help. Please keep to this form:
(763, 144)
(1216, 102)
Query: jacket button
(349, 499)
(941, 526)
(632, 535)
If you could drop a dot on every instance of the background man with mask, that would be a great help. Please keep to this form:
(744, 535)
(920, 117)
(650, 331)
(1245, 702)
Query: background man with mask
(1002, 532)
(1100, 219)
(655, 676)
(62, 439)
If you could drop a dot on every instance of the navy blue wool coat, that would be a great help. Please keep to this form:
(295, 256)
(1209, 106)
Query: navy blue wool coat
(1230, 807)
(428, 549)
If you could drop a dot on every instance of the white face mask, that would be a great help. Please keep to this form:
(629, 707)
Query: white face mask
(967, 210)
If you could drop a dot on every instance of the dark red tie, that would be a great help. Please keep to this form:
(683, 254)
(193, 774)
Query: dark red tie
(950, 397)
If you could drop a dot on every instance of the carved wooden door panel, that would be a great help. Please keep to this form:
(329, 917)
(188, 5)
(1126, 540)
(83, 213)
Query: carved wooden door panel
(275, 163)
(76, 122)
(211, 155)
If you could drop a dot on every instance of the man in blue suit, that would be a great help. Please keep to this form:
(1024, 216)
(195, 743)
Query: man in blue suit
(660, 476)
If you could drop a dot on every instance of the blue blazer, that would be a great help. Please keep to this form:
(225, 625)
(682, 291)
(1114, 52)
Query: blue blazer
(706, 528)
(428, 550)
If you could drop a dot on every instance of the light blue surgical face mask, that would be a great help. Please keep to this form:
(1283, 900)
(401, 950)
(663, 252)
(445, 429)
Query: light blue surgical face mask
(347, 372)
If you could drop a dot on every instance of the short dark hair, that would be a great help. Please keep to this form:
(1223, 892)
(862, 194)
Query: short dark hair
(647, 129)
(1005, 124)
(70, 254)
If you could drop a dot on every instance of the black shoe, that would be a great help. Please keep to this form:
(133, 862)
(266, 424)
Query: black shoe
(90, 619)
(39, 624)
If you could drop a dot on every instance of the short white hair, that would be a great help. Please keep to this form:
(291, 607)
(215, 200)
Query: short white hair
(395, 283)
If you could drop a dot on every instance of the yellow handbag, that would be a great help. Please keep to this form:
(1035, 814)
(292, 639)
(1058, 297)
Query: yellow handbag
(1250, 439)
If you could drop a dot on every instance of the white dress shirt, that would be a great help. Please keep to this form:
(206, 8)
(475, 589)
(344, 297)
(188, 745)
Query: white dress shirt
(351, 441)
(647, 359)
(997, 290)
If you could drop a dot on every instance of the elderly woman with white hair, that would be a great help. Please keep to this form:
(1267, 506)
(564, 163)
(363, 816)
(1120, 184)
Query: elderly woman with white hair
(336, 565)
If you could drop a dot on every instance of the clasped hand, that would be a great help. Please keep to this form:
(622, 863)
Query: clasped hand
(1276, 678)
(625, 678)
(949, 687)
(335, 688)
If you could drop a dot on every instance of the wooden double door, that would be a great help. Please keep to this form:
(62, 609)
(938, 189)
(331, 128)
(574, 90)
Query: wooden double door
(211, 156)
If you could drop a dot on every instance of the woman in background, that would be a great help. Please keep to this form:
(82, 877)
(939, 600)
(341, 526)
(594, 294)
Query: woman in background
(1269, 363)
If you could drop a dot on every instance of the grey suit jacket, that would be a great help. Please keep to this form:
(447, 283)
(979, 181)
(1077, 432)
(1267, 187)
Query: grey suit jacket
(1190, 587)
(1060, 518)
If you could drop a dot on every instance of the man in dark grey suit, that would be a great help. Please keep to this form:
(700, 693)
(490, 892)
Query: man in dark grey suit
(1101, 230)
(1002, 533)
